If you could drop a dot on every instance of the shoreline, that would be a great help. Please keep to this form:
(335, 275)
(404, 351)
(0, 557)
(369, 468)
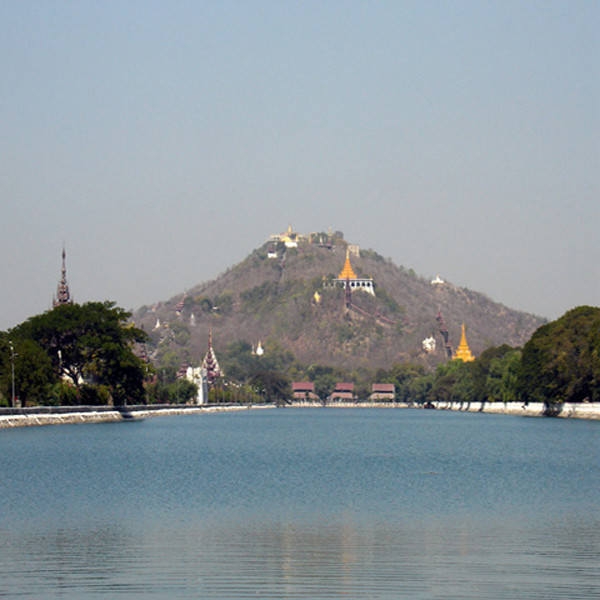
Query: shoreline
(588, 411)
(65, 416)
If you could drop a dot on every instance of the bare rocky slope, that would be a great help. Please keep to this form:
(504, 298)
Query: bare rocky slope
(272, 300)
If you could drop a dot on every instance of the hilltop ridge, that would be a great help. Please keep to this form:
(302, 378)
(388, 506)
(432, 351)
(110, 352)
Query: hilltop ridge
(284, 295)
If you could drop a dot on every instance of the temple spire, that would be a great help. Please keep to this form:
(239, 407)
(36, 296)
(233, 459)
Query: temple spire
(63, 296)
(347, 271)
(463, 352)
(210, 364)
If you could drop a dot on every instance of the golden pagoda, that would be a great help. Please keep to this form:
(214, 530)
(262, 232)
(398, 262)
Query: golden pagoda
(350, 280)
(463, 351)
(347, 271)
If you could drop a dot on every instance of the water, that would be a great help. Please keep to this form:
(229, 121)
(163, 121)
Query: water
(303, 503)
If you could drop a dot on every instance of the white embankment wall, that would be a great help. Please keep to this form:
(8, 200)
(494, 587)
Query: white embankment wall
(532, 409)
(576, 411)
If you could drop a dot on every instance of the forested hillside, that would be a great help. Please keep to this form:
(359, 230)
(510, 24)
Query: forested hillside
(283, 298)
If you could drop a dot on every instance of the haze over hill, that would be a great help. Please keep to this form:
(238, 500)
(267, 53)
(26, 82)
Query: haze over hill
(284, 295)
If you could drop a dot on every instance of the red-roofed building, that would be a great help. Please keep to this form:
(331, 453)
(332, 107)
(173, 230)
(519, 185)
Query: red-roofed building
(385, 392)
(304, 390)
(343, 392)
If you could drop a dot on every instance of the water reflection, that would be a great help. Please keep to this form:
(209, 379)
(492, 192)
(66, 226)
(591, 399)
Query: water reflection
(307, 559)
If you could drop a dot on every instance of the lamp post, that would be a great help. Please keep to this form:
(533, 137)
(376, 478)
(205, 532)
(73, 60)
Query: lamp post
(12, 360)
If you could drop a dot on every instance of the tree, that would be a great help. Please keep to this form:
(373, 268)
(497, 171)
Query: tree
(90, 344)
(273, 387)
(33, 374)
(453, 382)
(561, 361)
(402, 375)
(486, 369)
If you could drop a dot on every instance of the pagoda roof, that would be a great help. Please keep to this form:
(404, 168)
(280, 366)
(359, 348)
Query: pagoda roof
(347, 271)
(463, 351)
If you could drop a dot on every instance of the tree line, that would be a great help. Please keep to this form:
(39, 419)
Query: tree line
(560, 363)
(85, 354)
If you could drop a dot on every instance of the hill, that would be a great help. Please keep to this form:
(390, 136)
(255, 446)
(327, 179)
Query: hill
(287, 299)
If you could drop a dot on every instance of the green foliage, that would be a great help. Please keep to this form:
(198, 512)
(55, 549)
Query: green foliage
(181, 332)
(272, 387)
(372, 255)
(561, 361)
(402, 375)
(263, 295)
(93, 395)
(388, 301)
(32, 369)
(180, 391)
(453, 383)
(223, 303)
(487, 372)
(324, 378)
(63, 393)
(204, 303)
(241, 364)
(89, 344)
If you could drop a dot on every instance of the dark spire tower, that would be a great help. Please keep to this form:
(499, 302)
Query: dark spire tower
(63, 296)
(210, 364)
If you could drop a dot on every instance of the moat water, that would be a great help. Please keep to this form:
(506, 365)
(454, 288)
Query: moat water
(303, 504)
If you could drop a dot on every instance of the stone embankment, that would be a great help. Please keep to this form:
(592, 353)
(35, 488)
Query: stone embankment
(45, 415)
(532, 409)
(564, 410)
(62, 415)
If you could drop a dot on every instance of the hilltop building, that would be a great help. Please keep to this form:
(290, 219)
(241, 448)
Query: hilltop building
(63, 295)
(463, 352)
(290, 238)
(354, 250)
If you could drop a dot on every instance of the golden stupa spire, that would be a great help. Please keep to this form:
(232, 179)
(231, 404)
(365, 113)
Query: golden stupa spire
(347, 271)
(463, 352)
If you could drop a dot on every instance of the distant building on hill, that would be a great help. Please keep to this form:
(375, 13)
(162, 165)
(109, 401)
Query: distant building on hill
(290, 238)
(354, 250)
(348, 278)
(429, 344)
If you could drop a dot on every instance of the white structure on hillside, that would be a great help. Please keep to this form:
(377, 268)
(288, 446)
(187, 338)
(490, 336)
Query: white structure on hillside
(429, 344)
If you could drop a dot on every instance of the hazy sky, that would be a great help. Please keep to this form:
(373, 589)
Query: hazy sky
(162, 141)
